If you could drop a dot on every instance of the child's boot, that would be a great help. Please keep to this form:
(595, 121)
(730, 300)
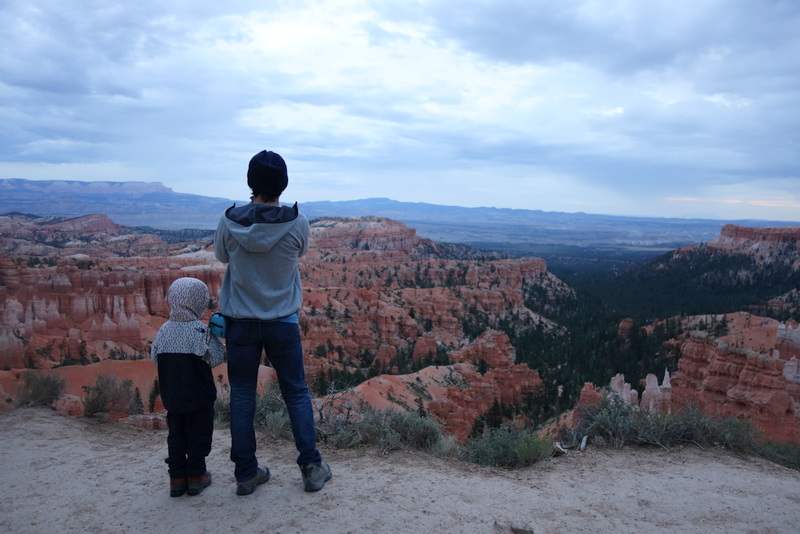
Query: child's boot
(199, 483)
(178, 486)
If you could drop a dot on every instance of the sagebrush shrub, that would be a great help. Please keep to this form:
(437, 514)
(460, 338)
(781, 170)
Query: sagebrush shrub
(737, 434)
(533, 448)
(495, 447)
(271, 414)
(222, 412)
(616, 422)
(109, 395)
(786, 454)
(39, 390)
(417, 431)
(388, 430)
(507, 448)
(222, 405)
(347, 428)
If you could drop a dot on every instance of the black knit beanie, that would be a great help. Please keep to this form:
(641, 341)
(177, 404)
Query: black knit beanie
(267, 174)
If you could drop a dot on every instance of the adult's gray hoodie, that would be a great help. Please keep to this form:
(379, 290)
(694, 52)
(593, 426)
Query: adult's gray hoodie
(261, 245)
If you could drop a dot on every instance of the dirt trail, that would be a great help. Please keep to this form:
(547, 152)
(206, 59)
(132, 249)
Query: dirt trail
(80, 475)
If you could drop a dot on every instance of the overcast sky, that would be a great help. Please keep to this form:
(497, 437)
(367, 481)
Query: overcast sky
(629, 107)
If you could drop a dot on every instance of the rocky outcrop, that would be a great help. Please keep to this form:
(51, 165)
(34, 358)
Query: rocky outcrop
(787, 340)
(738, 382)
(369, 233)
(90, 224)
(735, 237)
(68, 312)
(767, 245)
(147, 421)
(401, 302)
(43, 239)
(751, 371)
(457, 394)
(378, 299)
(70, 405)
(625, 328)
(657, 397)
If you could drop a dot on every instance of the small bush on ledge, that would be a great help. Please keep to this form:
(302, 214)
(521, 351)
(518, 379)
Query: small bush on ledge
(109, 395)
(617, 423)
(503, 447)
(39, 390)
(343, 425)
(614, 422)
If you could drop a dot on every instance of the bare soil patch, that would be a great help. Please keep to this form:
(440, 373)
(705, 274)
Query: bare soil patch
(81, 475)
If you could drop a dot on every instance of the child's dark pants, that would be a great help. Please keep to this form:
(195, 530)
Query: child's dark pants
(189, 441)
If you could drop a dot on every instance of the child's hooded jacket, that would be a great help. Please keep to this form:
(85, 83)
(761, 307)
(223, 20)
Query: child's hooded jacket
(185, 350)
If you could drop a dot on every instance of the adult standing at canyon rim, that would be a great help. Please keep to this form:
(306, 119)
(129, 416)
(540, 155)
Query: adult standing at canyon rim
(261, 297)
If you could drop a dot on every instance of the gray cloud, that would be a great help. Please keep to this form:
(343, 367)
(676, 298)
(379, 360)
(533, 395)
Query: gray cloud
(605, 106)
(624, 37)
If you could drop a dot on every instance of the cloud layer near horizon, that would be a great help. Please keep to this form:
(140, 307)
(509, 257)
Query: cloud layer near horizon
(623, 107)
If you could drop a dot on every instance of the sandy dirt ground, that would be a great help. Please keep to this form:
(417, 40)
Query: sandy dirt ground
(80, 475)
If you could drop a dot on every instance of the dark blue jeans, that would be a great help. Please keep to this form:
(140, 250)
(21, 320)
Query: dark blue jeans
(281, 342)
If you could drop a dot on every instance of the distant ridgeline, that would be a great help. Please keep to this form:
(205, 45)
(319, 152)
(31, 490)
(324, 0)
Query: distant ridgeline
(555, 236)
(126, 203)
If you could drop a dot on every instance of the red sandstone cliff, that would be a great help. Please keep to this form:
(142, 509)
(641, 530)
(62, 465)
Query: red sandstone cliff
(456, 394)
(752, 371)
(755, 240)
(766, 245)
(377, 298)
(396, 296)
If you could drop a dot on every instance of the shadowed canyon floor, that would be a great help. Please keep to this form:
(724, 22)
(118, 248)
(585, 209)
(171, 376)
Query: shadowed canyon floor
(81, 475)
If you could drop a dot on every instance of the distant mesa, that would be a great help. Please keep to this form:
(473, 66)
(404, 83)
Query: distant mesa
(74, 186)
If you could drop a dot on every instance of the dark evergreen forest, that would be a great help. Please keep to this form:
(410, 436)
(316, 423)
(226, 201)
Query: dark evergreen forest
(658, 291)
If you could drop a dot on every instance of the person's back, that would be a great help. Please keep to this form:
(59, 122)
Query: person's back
(261, 297)
(261, 243)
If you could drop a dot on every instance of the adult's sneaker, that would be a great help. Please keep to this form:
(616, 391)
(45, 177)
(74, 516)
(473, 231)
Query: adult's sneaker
(249, 486)
(315, 475)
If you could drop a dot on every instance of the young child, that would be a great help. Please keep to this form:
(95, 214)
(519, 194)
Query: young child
(185, 351)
